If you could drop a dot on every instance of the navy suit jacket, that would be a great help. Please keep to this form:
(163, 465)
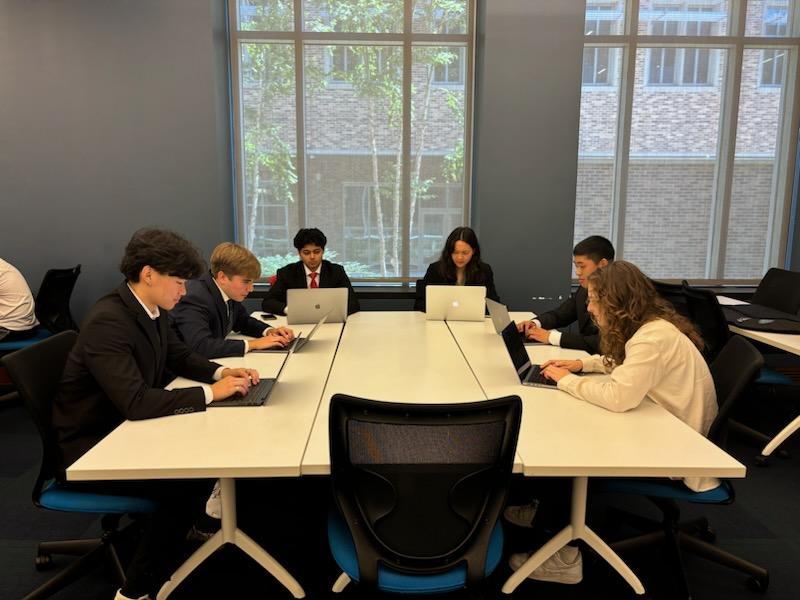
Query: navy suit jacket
(201, 320)
(117, 370)
(293, 276)
(574, 309)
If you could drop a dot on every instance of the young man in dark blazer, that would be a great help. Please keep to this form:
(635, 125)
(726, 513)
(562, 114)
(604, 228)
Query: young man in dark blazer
(588, 256)
(117, 371)
(212, 308)
(310, 271)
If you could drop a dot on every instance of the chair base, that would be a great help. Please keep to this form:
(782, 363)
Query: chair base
(694, 536)
(757, 438)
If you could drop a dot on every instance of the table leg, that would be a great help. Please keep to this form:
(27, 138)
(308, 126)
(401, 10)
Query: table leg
(785, 433)
(576, 530)
(231, 534)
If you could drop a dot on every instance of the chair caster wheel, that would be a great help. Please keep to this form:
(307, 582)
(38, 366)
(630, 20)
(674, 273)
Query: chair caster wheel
(758, 584)
(762, 461)
(42, 562)
(708, 535)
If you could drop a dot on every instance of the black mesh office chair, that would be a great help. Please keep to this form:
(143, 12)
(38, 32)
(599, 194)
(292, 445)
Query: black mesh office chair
(52, 299)
(36, 371)
(418, 491)
(733, 371)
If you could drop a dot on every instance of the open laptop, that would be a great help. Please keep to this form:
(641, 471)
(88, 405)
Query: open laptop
(500, 319)
(258, 394)
(455, 302)
(297, 343)
(527, 372)
(307, 305)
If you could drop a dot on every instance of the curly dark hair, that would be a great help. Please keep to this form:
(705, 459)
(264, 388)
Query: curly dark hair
(308, 236)
(474, 272)
(165, 251)
(628, 300)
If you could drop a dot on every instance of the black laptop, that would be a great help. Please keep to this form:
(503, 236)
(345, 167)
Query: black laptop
(528, 373)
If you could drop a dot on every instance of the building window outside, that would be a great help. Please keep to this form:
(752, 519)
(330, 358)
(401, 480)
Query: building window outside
(326, 106)
(655, 173)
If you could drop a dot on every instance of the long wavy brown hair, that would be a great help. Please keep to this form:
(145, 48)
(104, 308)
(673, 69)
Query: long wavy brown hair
(628, 300)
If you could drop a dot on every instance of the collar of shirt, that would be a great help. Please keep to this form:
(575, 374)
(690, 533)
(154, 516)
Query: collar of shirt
(152, 315)
(224, 295)
(309, 271)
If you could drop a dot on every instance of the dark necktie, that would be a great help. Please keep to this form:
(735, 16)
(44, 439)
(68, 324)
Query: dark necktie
(229, 326)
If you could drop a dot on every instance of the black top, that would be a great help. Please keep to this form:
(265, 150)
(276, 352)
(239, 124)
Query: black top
(434, 277)
(574, 309)
(117, 370)
(293, 276)
(201, 320)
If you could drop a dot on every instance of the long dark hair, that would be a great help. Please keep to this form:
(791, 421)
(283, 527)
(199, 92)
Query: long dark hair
(474, 271)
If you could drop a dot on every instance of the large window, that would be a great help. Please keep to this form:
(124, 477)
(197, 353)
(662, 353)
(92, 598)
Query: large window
(352, 116)
(686, 153)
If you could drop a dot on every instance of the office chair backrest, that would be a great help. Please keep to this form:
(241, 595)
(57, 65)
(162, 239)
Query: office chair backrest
(52, 299)
(706, 313)
(673, 293)
(779, 289)
(734, 369)
(421, 486)
(36, 371)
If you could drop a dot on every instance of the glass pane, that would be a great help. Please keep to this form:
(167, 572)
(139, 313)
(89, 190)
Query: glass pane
(604, 17)
(266, 15)
(754, 164)
(353, 16)
(597, 142)
(437, 154)
(270, 151)
(440, 16)
(353, 146)
(673, 155)
(768, 18)
(677, 17)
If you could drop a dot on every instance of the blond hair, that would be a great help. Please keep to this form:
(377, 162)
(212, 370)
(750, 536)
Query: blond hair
(628, 300)
(233, 259)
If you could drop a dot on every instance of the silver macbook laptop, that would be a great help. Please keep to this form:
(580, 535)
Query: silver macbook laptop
(297, 343)
(306, 305)
(455, 302)
(258, 394)
(500, 319)
(528, 373)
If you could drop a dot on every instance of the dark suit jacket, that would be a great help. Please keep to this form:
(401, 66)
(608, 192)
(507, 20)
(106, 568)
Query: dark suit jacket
(574, 309)
(117, 370)
(201, 320)
(434, 277)
(293, 276)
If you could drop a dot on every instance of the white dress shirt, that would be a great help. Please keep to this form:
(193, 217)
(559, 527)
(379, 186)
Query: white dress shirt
(308, 275)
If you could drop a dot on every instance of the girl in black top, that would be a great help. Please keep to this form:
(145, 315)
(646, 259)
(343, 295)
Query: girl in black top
(459, 264)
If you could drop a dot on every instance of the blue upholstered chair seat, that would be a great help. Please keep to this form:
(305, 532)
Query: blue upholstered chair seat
(55, 497)
(769, 376)
(41, 333)
(672, 490)
(344, 553)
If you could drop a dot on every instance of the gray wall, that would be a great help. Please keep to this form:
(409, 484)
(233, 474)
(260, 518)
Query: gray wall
(526, 144)
(113, 116)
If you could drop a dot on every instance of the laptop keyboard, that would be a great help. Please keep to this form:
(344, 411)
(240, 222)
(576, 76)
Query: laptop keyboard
(255, 397)
(535, 376)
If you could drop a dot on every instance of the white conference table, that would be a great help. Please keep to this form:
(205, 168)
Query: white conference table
(225, 443)
(784, 341)
(562, 436)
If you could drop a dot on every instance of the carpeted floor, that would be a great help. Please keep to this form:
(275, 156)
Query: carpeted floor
(288, 518)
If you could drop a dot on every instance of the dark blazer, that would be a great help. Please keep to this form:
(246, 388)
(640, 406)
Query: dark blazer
(201, 320)
(434, 277)
(574, 309)
(293, 276)
(117, 370)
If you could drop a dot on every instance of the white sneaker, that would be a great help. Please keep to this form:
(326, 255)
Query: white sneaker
(522, 515)
(565, 566)
(119, 596)
(214, 503)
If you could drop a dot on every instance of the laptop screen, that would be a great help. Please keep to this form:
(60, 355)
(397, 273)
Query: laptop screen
(516, 349)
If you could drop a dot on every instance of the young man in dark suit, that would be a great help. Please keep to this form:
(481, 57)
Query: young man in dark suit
(588, 256)
(117, 371)
(212, 308)
(311, 271)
